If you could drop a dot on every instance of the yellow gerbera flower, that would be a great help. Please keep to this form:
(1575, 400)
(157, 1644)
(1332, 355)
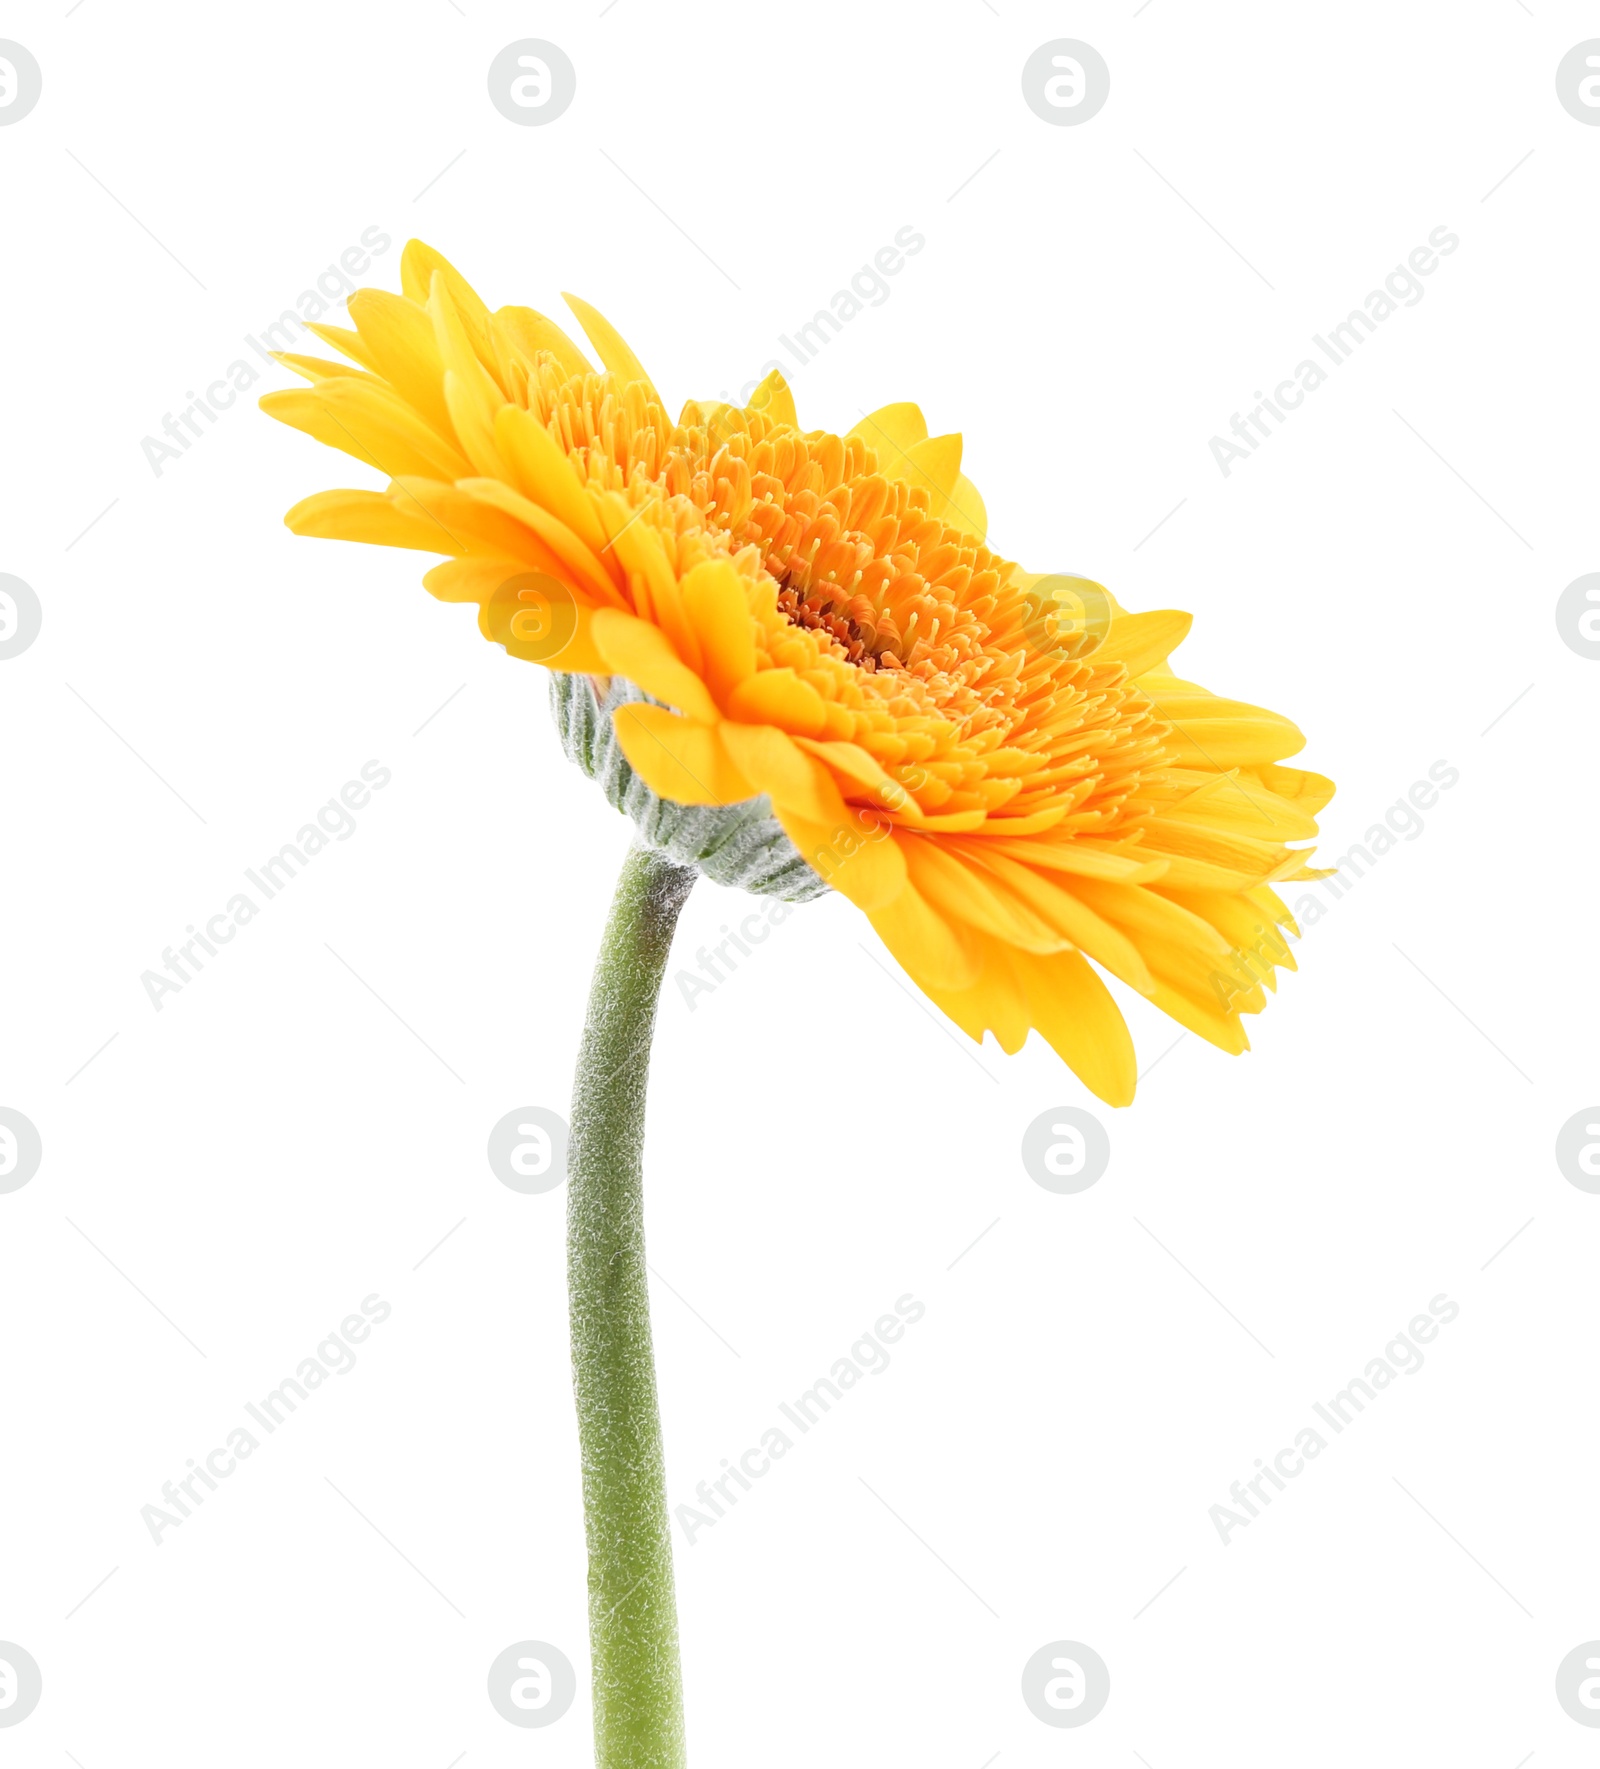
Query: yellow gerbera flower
(1008, 785)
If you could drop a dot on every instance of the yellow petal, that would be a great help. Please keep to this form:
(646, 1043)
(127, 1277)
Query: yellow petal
(1245, 926)
(363, 418)
(934, 464)
(546, 475)
(680, 761)
(932, 951)
(1065, 909)
(521, 331)
(539, 620)
(1226, 1031)
(635, 555)
(992, 1001)
(957, 890)
(1141, 641)
(643, 654)
(347, 343)
(858, 856)
(608, 341)
(1270, 903)
(717, 606)
(1231, 743)
(964, 509)
(1182, 874)
(472, 525)
(397, 337)
(944, 822)
(890, 431)
(471, 396)
(1033, 823)
(1152, 914)
(1234, 802)
(860, 768)
(318, 368)
(1075, 1012)
(419, 266)
(1309, 791)
(793, 780)
(570, 554)
(367, 516)
(782, 698)
(1210, 732)
(1217, 984)
(1086, 861)
(774, 398)
(472, 579)
(1240, 853)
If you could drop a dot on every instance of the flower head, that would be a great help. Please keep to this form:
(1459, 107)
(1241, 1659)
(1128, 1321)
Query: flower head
(998, 768)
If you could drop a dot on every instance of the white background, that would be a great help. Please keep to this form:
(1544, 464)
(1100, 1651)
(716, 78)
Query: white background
(274, 1145)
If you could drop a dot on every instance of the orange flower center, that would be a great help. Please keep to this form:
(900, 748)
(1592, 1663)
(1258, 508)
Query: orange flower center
(971, 691)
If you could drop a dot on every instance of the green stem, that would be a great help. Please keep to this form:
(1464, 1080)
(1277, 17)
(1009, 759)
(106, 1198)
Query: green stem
(633, 1621)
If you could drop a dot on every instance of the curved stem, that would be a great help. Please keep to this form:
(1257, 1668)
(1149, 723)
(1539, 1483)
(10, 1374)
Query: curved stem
(633, 1622)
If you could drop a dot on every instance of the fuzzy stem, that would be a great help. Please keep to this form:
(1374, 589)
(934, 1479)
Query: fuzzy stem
(633, 1622)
